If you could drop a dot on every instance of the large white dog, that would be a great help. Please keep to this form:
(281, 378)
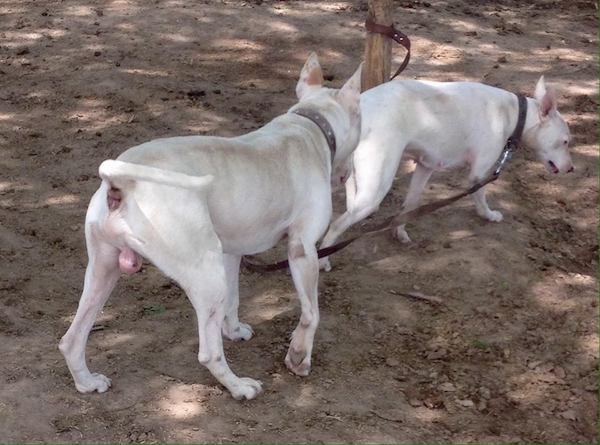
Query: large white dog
(194, 205)
(442, 125)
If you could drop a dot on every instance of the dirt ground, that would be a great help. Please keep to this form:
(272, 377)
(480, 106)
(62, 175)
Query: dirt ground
(509, 354)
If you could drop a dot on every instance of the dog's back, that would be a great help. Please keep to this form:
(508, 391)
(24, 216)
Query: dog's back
(443, 121)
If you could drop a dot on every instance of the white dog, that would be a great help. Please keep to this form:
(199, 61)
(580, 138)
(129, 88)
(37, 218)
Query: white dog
(194, 205)
(442, 125)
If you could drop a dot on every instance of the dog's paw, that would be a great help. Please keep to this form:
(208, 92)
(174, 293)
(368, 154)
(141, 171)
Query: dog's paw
(325, 264)
(242, 331)
(298, 362)
(246, 388)
(494, 215)
(95, 382)
(400, 234)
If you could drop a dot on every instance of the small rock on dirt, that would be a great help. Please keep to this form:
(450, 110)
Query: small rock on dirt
(466, 403)
(569, 415)
(447, 387)
(393, 362)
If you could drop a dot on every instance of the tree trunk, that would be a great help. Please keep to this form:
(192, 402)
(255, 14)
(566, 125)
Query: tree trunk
(378, 48)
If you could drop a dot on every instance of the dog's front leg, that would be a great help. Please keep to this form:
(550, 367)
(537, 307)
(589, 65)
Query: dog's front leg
(233, 329)
(418, 181)
(101, 277)
(360, 211)
(304, 266)
(207, 290)
(365, 189)
(482, 207)
(478, 169)
(331, 236)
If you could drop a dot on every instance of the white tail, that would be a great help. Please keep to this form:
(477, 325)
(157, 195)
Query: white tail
(112, 171)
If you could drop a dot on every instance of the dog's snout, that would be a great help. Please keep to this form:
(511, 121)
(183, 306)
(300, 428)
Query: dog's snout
(571, 170)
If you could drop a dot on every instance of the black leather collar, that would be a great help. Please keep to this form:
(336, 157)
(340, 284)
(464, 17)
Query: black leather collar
(515, 137)
(323, 125)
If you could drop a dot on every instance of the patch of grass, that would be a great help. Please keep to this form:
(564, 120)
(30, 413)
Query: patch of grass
(480, 344)
(154, 309)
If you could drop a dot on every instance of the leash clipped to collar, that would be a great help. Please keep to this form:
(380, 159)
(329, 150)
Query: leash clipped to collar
(511, 144)
(323, 125)
(395, 35)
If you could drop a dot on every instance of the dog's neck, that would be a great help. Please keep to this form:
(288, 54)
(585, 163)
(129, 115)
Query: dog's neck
(532, 119)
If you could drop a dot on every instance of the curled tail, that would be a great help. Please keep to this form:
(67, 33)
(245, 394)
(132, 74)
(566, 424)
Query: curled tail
(121, 176)
(115, 172)
(118, 174)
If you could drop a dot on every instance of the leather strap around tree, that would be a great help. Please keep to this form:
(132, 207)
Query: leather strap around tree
(395, 35)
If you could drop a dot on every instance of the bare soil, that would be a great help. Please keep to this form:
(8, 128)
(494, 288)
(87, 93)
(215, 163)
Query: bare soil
(509, 354)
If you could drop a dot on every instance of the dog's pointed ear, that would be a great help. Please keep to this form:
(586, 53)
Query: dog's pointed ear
(310, 76)
(349, 94)
(546, 98)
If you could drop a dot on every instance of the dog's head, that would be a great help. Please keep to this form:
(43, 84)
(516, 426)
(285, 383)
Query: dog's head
(550, 137)
(339, 107)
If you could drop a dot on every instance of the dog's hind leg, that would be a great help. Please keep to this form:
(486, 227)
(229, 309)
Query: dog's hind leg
(206, 288)
(418, 181)
(233, 329)
(101, 277)
(304, 266)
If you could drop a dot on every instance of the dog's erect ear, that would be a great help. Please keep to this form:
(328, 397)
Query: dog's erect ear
(545, 97)
(310, 76)
(349, 94)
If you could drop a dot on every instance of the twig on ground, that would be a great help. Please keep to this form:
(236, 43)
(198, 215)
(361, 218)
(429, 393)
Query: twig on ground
(418, 296)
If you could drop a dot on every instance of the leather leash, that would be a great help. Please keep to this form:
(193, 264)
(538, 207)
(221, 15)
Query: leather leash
(323, 125)
(395, 35)
(511, 144)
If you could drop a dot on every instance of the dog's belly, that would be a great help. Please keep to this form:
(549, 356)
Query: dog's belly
(249, 221)
(439, 157)
(250, 245)
(243, 237)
